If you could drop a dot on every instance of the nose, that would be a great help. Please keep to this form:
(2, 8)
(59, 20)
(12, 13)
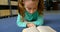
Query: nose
(31, 11)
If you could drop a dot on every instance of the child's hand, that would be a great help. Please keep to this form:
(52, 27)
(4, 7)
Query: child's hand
(30, 25)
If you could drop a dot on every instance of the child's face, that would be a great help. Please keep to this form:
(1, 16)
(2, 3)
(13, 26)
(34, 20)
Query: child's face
(31, 5)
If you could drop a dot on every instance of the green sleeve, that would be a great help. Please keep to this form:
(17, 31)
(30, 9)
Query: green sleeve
(39, 21)
(20, 23)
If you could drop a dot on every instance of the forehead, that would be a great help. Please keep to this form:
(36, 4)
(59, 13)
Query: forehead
(31, 6)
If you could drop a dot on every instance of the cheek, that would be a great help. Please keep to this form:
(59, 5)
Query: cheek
(27, 10)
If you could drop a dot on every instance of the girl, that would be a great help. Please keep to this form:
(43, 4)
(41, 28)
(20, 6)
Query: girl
(30, 13)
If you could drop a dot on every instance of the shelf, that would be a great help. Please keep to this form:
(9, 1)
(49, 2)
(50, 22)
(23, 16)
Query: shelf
(14, 0)
(2, 7)
(7, 7)
(14, 7)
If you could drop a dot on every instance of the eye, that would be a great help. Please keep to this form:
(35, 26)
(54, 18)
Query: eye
(34, 8)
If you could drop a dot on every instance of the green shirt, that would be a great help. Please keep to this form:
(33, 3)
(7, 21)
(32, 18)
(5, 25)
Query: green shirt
(33, 18)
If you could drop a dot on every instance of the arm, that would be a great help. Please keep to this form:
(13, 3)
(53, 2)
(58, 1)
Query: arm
(20, 23)
(39, 21)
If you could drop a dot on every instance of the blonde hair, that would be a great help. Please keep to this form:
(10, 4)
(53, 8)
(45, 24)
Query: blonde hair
(21, 8)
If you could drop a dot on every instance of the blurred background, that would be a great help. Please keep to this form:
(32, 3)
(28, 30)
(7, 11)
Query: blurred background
(9, 11)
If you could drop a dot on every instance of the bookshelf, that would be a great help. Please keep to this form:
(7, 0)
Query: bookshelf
(8, 8)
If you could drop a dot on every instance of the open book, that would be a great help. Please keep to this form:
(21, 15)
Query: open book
(39, 29)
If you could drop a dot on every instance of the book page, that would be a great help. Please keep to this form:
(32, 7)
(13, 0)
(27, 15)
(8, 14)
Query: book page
(45, 29)
(39, 29)
(31, 29)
